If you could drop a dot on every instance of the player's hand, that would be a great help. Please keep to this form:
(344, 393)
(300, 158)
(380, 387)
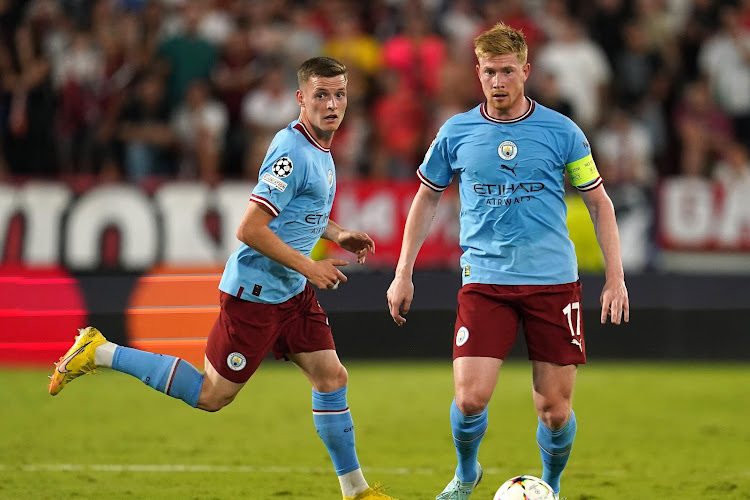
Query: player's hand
(357, 242)
(400, 295)
(325, 274)
(615, 303)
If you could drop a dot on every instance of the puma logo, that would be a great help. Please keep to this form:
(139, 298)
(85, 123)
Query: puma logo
(512, 169)
(576, 342)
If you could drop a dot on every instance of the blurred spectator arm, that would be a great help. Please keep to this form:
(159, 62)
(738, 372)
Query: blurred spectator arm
(34, 69)
(8, 76)
(226, 80)
(158, 134)
(743, 48)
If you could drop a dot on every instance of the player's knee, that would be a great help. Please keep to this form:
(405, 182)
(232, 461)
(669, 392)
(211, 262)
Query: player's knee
(554, 416)
(213, 403)
(333, 379)
(471, 404)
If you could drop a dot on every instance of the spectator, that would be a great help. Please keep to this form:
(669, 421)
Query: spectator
(79, 74)
(459, 92)
(734, 167)
(624, 158)
(216, 24)
(551, 18)
(200, 124)
(267, 28)
(460, 23)
(636, 65)
(417, 55)
(399, 124)
(144, 131)
(265, 110)
(745, 13)
(701, 23)
(624, 151)
(28, 138)
(661, 28)
(135, 38)
(303, 40)
(271, 106)
(605, 26)
(725, 60)
(547, 92)
(581, 69)
(350, 45)
(236, 73)
(188, 56)
(352, 148)
(651, 112)
(513, 13)
(704, 130)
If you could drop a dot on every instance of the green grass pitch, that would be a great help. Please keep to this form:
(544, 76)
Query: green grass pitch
(646, 431)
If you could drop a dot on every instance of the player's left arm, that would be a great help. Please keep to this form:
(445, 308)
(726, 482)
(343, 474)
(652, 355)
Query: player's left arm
(357, 242)
(614, 297)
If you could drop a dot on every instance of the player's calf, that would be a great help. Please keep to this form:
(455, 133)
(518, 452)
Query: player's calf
(172, 376)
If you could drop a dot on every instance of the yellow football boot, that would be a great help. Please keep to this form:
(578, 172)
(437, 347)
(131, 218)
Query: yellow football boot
(374, 493)
(79, 360)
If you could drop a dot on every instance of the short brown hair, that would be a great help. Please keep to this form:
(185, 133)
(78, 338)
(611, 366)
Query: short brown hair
(499, 40)
(325, 67)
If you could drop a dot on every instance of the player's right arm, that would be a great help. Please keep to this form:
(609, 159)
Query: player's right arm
(418, 222)
(254, 232)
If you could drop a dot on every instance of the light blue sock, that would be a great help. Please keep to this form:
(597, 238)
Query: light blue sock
(335, 426)
(555, 448)
(468, 431)
(172, 376)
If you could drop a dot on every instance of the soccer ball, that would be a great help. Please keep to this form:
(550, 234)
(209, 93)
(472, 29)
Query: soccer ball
(525, 488)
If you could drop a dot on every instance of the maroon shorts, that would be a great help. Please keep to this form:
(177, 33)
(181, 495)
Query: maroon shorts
(246, 331)
(487, 321)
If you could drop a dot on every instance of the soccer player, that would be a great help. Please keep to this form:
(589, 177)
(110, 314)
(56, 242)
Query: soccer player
(267, 301)
(510, 155)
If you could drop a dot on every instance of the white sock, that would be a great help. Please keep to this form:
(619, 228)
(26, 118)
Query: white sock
(104, 353)
(353, 483)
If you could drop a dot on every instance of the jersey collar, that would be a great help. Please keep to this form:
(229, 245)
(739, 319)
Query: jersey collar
(483, 111)
(301, 127)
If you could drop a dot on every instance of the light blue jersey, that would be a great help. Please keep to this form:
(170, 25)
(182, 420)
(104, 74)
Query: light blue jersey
(296, 183)
(511, 184)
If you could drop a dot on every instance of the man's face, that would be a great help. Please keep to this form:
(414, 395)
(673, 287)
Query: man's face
(502, 78)
(323, 102)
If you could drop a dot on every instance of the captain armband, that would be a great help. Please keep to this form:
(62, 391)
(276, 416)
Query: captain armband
(583, 174)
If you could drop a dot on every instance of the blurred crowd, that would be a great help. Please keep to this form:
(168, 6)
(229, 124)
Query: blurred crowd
(195, 89)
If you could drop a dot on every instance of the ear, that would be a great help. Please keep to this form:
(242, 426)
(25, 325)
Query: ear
(526, 70)
(300, 98)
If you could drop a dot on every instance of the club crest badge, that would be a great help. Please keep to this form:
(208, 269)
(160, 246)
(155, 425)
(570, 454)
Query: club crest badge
(462, 336)
(236, 361)
(282, 167)
(330, 178)
(507, 150)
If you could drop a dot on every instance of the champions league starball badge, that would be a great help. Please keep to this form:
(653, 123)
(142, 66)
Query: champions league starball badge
(282, 167)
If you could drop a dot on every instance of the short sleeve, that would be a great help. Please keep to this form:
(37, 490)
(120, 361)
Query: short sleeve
(580, 163)
(278, 180)
(435, 171)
